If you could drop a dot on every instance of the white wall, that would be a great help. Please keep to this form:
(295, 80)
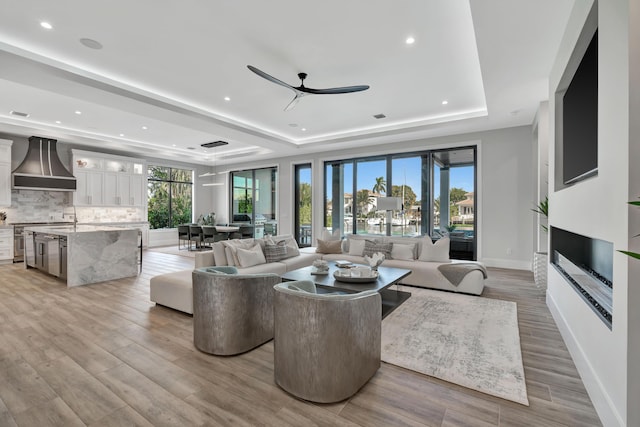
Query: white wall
(540, 156)
(633, 293)
(505, 186)
(597, 208)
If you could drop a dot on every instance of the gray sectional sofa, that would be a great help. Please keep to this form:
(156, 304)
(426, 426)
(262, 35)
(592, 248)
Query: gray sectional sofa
(279, 254)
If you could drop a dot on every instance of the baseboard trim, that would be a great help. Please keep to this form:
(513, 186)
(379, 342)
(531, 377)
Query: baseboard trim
(601, 400)
(507, 263)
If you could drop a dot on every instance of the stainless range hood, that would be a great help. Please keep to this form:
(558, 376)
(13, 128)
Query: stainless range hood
(41, 168)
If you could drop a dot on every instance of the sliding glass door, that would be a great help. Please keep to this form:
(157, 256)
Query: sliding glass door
(303, 207)
(254, 200)
(421, 193)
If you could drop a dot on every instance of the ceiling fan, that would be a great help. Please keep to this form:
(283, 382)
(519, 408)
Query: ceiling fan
(301, 90)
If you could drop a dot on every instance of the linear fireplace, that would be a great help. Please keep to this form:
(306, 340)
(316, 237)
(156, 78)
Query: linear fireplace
(587, 264)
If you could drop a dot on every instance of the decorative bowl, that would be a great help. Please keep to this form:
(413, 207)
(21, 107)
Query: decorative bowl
(342, 276)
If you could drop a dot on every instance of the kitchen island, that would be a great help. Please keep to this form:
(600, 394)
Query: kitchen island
(83, 254)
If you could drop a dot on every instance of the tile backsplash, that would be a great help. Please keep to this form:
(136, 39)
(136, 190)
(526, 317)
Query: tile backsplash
(43, 206)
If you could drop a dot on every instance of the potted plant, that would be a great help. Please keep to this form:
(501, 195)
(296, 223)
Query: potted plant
(3, 217)
(208, 219)
(540, 259)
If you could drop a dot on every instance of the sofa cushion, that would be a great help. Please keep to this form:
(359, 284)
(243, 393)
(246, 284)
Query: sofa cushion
(404, 251)
(329, 247)
(331, 235)
(345, 257)
(417, 241)
(270, 267)
(219, 256)
(356, 247)
(275, 251)
(373, 246)
(173, 290)
(250, 257)
(435, 252)
(302, 260)
(230, 247)
(346, 242)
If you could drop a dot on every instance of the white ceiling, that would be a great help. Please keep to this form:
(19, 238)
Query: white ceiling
(168, 66)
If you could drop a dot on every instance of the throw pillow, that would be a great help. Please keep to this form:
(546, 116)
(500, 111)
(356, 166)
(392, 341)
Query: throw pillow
(435, 252)
(275, 251)
(403, 251)
(356, 247)
(218, 254)
(250, 257)
(292, 245)
(329, 247)
(231, 247)
(373, 246)
(328, 235)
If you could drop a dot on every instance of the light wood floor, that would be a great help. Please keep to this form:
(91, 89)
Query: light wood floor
(103, 355)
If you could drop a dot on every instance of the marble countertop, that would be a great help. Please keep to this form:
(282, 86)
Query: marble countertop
(65, 230)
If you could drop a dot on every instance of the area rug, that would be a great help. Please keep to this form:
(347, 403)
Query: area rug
(467, 340)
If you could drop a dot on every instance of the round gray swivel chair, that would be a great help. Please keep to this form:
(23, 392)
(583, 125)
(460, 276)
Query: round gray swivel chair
(326, 346)
(232, 313)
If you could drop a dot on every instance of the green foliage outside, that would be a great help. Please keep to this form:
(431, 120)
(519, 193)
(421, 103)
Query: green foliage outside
(409, 196)
(455, 195)
(363, 199)
(167, 185)
(380, 186)
(304, 209)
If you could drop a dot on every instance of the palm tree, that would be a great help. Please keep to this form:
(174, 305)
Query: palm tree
(380, 186)
(363, 199)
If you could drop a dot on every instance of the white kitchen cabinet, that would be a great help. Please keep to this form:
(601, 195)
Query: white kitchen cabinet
(138, 188)
(117, 189)
(122, 180)
(89, 188)
(6, 245)
(5, 172)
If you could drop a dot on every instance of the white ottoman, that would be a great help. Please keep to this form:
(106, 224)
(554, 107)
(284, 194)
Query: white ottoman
(174, 290)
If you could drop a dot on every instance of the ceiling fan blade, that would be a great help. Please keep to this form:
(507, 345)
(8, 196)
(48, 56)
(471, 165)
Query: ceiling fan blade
(333, 90)
(270, 78)
(294, 101)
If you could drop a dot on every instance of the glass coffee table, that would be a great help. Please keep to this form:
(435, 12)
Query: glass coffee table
(387, 276)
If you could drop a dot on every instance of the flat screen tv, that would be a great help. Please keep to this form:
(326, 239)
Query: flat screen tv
(580, 119)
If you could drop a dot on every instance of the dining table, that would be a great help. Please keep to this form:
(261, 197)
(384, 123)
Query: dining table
(227, 229)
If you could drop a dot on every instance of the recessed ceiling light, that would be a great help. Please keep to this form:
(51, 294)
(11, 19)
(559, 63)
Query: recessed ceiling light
(173, 145)
(410, 40)
(445, 102)
(303, 129)
(144, 128)
(226, 98)
(122, 134)
(58, 122)
(78, 112)
(46, 25)
(91, 44)
(379, 116)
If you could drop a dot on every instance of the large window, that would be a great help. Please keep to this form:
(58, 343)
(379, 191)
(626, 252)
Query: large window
(303, 205)
(422, 181)
(170, 196)
(253, 203)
